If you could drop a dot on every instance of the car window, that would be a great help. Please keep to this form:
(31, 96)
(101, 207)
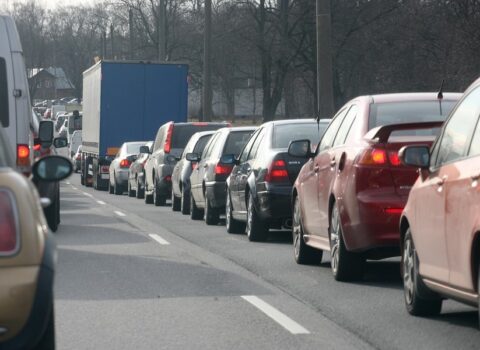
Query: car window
(346, 126)
(210, 145)
(235, 142)
(256, 145)
(331, 132)
(201, 143)
(182, 133)
(159, 138)
(4, 112)
(283, 134)
(248, 146)
(459, 129)
(134, 148)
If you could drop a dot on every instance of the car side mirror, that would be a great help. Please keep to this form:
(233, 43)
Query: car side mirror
(229, 159)
(52, 168)
(192, 157)
(416, 156)
(145, 149)
(60, 142)
(171, 158)
(132, 157)
(45, 133)
(300, 149)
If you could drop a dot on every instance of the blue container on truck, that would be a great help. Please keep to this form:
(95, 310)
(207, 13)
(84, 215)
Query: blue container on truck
(127, 101)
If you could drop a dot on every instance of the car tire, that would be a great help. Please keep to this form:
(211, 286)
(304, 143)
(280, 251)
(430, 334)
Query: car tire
(117, 189)
(131, 193)
(185, 202)
(140, 191)
(47, 341)
(176, 202)
(52, 213)
(256, 228)
(158, 199)
(419, 299)
(346, 266)
(110, 187)
(195, 212)
(212, 215)
(303, 253)
(82, 180)
(232, 225)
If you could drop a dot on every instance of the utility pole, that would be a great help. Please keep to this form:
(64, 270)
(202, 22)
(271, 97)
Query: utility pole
(104, 44)
(207, 71)
(130, 29)
(162, 37)
(324, 60)
(112, 41)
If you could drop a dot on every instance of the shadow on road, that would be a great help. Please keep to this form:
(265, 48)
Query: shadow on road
(462, 319)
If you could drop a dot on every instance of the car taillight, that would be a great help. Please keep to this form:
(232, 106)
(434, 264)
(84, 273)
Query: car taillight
(223, 169)
(37, 147)
(168, 141)
(394, 211)
(194, 165)
(125, 163)
(23, 155)
(104, 169)
(393, 158)
(373, 156)
(167, 178)
(8, 224)
(277, 172)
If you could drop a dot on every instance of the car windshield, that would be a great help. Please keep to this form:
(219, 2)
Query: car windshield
(283, 134)
(235, 142)
(410, 112)
(134, 148)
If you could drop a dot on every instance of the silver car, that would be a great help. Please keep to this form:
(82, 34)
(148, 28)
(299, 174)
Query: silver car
(120, 165)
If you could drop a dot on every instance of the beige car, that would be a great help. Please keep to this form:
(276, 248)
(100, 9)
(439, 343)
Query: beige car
(27, 254)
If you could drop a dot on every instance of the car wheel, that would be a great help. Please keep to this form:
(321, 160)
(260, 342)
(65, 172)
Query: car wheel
(176, 202)
(47, 342)
(257, 229)
(233, 226)
(117, 189)
(158, 199)
(419, 300)
(195, 212)
(346, 266)
(131, 193)
(303, 253)
(185, 202)
(110, 187)
(212, 215)
(140, 191)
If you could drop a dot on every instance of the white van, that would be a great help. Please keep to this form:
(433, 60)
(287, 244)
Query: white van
(75, 142)
(15, 109)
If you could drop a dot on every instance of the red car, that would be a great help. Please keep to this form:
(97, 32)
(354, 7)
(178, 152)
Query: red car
(349, 195)
(440, 226)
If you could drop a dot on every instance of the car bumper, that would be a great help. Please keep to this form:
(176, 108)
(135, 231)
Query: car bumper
(275, 202)
(216, 193)
(38, 280)
(121, 177)
(376, 226)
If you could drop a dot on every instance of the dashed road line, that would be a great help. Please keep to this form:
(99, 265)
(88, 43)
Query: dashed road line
(279, 317)
(74, 188)
(101, 202)
(87, 194)
(119, 213)
(159, 239)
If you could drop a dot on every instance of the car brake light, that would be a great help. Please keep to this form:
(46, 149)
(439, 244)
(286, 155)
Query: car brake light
(277, 172)
(168, 141)
(8, 224)
(167, 178)
(124, 163)
(394, 159)
(200, 124)
(23, 155)
(37, 147)
(394, 211)
(194, 165)
(373, 156)
(104, 169)
(223, 169)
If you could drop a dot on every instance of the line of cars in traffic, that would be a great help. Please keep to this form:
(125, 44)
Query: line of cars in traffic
(389, 175)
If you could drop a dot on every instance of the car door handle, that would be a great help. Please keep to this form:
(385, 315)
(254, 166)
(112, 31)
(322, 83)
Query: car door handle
(333, 162)
(205, 165)
(441, 182)
(316, 169)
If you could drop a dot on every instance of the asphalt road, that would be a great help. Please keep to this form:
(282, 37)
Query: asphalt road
(136, 276)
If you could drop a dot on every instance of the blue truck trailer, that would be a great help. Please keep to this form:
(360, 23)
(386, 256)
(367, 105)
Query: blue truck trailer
(127, 101)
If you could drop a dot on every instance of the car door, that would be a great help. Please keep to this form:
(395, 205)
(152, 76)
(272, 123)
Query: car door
(151, 161)
(429, 228)
(197, 173)
(317, 189)
(462, 191)
(236, 173)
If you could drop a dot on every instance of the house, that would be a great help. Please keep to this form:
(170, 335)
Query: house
(49, 83)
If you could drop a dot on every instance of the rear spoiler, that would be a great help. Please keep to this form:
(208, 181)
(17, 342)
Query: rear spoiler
(381, 134)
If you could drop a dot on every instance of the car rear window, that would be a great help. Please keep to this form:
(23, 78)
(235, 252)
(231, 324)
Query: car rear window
(76, 125)
(235, 142)
(285, 133)
(409, 112)
(182, 133)
(4, 114)
(201, 143)
(134, 148)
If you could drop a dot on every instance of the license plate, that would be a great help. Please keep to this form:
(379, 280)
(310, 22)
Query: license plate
(105, 176)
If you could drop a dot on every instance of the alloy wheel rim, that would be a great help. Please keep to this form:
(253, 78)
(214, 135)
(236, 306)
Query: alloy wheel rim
(227, 210)
(335, 240)
(408, 271)
(296, 229)
(249, 215)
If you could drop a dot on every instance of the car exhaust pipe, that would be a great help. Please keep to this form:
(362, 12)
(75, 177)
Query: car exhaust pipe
(288, 223)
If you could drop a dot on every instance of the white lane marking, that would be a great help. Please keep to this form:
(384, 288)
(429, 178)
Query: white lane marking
(87, 194)
(101, 202)
(279, 317)
(74, 188)
(67, 182)
(119, 213)
(158, 239)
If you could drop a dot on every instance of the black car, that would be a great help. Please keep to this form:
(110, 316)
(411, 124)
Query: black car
(208, 178)
(183, 170)
(136, 173)
(168, 146)
(260, 185)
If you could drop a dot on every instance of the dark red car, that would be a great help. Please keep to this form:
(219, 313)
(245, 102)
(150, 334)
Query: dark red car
(349, 195)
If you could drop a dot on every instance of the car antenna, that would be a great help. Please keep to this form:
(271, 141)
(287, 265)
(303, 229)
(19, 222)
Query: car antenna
(440, 96)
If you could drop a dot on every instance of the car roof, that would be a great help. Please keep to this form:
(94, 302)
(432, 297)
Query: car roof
(237, 128)
(408, 96)
(290, 121)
